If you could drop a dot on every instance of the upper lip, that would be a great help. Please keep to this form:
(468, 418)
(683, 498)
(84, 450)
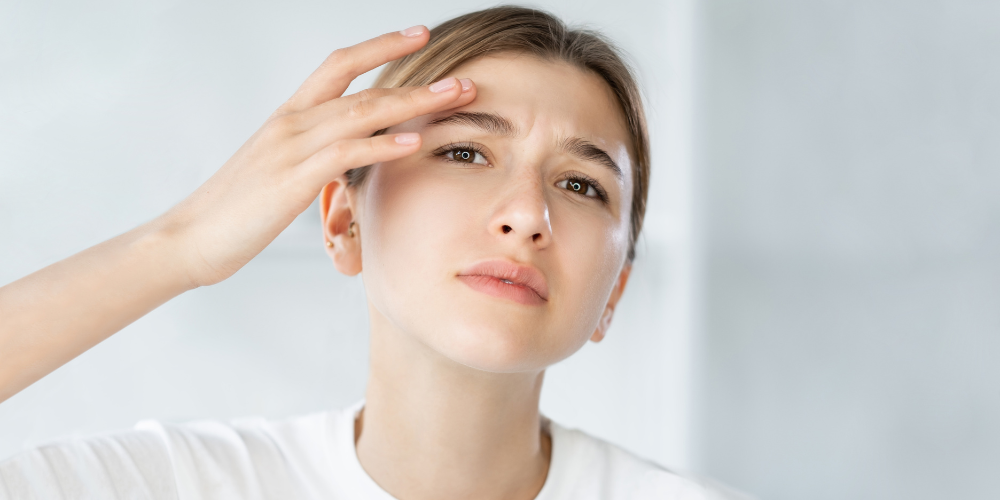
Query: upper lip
(526, 276)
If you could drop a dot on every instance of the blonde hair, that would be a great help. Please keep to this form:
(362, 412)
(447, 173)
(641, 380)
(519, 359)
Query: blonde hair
(523, 30)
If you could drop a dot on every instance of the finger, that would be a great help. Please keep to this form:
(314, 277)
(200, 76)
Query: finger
(469, 92)
(365, 117)
(341, 67)
(309, 118)
(337, 108)
(337, 158)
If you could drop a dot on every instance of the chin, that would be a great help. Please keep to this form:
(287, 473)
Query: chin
(498, 346)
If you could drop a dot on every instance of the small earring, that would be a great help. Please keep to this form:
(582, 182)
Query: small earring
(329, 244)
(350, 229)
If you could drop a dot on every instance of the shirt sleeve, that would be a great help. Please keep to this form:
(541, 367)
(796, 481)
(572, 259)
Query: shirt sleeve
(132, 464)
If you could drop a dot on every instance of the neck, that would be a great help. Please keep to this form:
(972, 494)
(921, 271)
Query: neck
(433, 428)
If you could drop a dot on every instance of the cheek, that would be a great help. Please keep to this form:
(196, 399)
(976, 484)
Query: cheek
(590, 252)
(422, 224)
(414, 220)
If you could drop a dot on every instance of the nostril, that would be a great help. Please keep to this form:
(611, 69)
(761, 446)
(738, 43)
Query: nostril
(507, 229)
(535, 236)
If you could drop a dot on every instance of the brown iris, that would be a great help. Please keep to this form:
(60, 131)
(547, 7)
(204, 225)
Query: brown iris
(464, 155)
(577, 186)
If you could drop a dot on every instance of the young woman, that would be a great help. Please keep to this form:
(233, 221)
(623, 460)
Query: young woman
(490, 190)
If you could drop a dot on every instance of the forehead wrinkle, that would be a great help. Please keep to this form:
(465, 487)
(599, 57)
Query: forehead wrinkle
(588, 151)
(491, 123)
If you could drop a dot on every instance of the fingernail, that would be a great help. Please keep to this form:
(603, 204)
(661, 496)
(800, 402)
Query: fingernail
(408, 138)
(466, 84)
(414, 31)
(446, 84)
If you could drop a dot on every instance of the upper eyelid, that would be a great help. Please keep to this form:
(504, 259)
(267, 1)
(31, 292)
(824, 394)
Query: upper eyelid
(601, 192)
(479, 148)
(580, 175)
(483, 150)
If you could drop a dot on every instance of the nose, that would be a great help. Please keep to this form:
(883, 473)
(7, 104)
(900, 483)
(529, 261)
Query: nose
(523, 216)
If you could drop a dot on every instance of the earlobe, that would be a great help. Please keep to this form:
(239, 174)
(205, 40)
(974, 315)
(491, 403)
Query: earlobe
(609, 308)
(602, 327)
(341, 231)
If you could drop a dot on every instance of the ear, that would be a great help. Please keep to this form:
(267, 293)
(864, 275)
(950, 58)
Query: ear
(337, 211)
(609, 309)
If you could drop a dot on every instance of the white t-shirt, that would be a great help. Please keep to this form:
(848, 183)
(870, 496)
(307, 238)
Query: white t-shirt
(306, 457)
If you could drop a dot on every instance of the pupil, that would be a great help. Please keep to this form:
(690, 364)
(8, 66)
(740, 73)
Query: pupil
(464, 155)
(575, 185)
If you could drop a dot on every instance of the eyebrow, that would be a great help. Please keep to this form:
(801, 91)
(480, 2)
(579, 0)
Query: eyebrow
(588, 151)
(495, 124)
(489, 122)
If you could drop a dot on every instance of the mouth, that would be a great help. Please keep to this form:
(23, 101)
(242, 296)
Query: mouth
(499, 278)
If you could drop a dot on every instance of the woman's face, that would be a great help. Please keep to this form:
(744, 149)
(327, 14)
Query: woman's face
(499, 243)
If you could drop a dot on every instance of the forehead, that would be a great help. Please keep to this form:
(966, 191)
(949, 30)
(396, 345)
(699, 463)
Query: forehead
(546, 97)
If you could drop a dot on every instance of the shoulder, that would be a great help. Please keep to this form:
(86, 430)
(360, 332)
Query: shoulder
(584, 466)
(201, 459)
(130, 464)
(251, 457)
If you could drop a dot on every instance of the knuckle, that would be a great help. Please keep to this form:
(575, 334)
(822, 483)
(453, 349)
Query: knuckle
(383, 43)
(344, 152)
(337, 59)
(283, 125)
(338, 150)
(412, 99)
(368, 94)
(361, 109)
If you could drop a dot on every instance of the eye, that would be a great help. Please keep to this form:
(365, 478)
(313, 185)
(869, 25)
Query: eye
(466, 155)
(579, 186)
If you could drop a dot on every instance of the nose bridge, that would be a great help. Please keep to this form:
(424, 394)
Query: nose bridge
(527, 189)
(523, 213)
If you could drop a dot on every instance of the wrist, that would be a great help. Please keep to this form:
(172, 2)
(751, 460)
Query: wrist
(160, 243)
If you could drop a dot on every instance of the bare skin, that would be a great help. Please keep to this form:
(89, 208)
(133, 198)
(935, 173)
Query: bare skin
(53, 315)
(451, 409)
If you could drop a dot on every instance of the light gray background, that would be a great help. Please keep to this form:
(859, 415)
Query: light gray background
(815, 312)
(849, 157)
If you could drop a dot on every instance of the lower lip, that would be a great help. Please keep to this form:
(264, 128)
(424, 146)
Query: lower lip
(494, 286)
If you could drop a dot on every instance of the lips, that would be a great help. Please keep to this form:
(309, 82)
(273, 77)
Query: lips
(503, 279)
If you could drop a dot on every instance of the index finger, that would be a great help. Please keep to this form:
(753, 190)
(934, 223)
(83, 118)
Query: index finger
(341, 67)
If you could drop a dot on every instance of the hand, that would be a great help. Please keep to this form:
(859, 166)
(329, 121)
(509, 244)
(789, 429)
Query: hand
(313, 138)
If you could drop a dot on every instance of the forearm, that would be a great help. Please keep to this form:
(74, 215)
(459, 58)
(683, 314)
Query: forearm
(53, 315)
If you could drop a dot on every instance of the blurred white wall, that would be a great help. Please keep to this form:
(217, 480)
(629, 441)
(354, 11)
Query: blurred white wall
(835, 266)
(110, 112)
(849, 159)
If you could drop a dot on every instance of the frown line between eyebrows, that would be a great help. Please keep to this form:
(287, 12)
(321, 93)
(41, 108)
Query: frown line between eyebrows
(495, 124)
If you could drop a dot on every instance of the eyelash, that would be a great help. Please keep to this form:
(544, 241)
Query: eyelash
(443, 151)
(602, 195)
